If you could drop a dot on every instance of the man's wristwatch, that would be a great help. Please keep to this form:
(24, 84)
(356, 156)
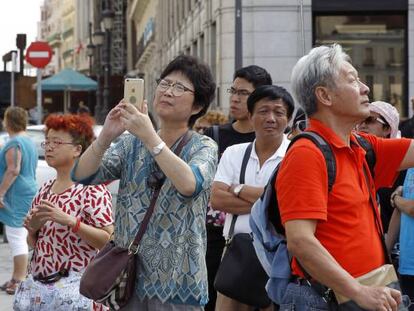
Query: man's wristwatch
(157, 149)
(238, 189)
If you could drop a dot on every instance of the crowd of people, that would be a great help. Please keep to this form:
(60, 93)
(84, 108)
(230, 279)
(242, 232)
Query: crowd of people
(335, 235)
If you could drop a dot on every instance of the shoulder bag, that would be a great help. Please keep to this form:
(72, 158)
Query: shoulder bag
(382, 276)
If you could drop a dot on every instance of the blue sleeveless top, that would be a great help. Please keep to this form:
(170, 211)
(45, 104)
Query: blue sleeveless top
(19, 196)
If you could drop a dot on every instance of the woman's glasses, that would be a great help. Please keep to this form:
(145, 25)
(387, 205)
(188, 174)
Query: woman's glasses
(177, 89)
(54, 143)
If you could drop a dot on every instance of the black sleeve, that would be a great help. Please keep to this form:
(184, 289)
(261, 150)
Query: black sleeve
(209, 132)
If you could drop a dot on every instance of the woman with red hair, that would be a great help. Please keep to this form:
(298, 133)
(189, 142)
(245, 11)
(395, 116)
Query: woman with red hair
(68, 223)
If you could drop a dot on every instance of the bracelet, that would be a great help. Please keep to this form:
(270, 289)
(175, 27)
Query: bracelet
(76, 227)
(94, 150)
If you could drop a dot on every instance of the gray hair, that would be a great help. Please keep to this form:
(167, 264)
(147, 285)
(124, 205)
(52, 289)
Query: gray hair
(320, 67)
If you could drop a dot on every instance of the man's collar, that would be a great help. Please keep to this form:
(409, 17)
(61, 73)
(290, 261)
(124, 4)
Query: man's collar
(327, 133)
(280, 151)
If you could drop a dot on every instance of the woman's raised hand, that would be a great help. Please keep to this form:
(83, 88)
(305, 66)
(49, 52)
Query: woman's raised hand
(113, 126)
(137, 122)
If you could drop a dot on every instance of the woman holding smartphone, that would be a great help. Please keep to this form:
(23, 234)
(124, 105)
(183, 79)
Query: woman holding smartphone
(172, 270)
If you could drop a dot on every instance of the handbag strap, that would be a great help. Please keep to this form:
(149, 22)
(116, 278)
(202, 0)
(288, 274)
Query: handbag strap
(375, 210)
(133, 247)
(241, 181)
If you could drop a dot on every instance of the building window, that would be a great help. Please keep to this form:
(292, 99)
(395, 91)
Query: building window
(376, 45)
(194, 48)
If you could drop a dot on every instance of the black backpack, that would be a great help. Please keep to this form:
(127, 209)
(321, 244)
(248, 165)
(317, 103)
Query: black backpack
(322, 144)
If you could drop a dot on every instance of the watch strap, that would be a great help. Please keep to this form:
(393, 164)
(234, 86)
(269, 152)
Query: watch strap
(157, 149)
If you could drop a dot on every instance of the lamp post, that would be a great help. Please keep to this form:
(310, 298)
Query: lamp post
(98, 39)
(90, 49)
(107, 23)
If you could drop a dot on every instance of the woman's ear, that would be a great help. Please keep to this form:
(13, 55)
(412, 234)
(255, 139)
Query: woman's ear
(196, 109)
(387, 131)
(78, 151)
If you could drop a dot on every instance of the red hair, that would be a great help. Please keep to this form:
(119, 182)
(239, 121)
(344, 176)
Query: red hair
(78, 126)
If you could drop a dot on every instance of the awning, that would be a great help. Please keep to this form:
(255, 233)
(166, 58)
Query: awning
(68, 80)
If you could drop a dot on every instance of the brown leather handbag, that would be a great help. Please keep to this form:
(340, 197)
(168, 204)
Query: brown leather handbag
(110, 277)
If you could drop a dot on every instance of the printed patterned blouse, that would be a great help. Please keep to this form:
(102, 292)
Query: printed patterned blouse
(57, 247)
(172, 252)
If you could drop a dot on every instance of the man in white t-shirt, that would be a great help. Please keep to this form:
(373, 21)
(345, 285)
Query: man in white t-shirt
(270, 108)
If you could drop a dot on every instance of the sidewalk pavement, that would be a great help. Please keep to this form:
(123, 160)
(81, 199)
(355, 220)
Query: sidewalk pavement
(6, 301)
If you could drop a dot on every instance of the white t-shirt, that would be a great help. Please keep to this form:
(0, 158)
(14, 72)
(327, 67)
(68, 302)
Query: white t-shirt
(228, 172)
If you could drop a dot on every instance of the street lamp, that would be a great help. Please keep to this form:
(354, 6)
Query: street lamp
(107, 23)
(90, 49)
(98, 40)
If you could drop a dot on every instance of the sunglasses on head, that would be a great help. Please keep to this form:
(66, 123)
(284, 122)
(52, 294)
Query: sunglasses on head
(156, 179)
(301, 125)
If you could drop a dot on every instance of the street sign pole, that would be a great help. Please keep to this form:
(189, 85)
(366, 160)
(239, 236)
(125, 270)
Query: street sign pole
(238, 53)
(38, 55)
(39, 96)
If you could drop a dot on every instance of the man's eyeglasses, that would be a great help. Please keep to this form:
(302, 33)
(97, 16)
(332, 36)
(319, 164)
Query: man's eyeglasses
(177, 88)
(240, 93)
(54, 143)
(372, 120)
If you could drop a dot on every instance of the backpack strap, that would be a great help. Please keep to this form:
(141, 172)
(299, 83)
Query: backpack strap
(324, 147)
(326, 150)
(322, 144)
(369, 152)
(241, 181)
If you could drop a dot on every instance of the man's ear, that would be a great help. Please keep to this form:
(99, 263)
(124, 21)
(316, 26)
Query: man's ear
(323, 95)
(250, 116)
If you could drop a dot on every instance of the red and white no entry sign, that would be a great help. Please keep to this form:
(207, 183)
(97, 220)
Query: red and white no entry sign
(39, 54)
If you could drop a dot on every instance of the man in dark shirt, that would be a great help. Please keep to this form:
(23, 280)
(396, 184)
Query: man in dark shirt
(407, 126)
(245, 81)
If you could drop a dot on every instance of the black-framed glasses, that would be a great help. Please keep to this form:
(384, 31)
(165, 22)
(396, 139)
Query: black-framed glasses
(54, 143)
(240, 93)
(177, 88)
(372, 120)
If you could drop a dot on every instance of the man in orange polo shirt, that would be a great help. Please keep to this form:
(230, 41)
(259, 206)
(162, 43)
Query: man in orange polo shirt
(334, 234)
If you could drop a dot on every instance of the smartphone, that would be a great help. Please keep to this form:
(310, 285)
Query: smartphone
(134, 92)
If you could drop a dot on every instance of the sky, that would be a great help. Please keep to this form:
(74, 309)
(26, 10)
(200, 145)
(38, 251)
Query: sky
(18, 16)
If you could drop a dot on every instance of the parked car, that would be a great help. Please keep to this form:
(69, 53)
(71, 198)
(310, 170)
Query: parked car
(44, 172)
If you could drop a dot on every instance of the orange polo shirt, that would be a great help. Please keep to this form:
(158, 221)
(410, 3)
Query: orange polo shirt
(346, 224)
